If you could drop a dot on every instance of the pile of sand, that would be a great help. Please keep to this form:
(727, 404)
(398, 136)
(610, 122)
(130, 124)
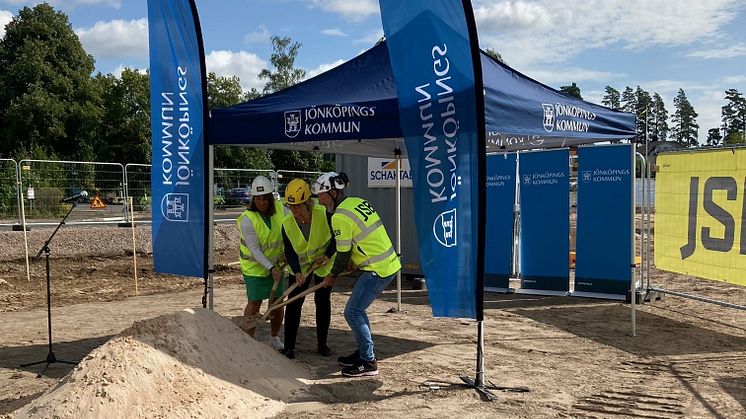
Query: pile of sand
(194, 363)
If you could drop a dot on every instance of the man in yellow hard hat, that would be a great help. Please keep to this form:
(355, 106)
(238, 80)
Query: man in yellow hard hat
(309, 246)
(362, 239)
(260, 229)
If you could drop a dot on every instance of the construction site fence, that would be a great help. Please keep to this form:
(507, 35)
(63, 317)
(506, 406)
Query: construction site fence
(37, 187)
(32, 191)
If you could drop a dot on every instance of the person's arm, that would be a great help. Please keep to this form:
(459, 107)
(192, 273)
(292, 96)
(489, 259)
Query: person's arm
(342, 227)
(332, 247)
(290, 256)
(252, 242)
(340, 263)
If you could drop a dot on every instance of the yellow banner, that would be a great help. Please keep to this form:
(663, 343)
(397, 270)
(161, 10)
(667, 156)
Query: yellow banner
(700, 212)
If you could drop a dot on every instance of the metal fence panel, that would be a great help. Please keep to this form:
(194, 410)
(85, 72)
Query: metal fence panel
(138, 187)
(47, 182)
(231, 190)
(285, 176)
(10, 213)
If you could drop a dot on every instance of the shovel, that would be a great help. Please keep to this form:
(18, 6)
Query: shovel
(252, 321)
(250, 324)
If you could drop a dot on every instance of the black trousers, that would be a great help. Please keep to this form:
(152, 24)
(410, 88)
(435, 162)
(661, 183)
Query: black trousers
(323, 300)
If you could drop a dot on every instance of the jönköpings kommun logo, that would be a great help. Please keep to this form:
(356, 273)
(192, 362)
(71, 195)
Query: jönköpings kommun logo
(566, 118)
(292, 123)
(175, 207)
(325, 120)
(445, 228)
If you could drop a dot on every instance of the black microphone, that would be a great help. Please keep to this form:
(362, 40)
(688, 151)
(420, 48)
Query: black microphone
(81, 194)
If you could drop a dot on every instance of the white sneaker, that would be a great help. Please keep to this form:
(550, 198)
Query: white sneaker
(276, 343)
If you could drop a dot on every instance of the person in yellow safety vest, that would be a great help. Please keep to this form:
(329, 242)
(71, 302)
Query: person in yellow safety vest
(309, 245)
(361, 238)
(260, 228)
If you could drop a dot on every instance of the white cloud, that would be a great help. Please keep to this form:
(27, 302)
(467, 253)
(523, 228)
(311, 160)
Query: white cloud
(707, 104)
(370, 39)
(246, 66)
(322, 68)
(540, 32)
(593, 96)
(66, 4)
(5, 18)
(117, 72)
(333, 32)
(512, 14)
(116, 39)
(113, 3)
(349, 9)
(737, 50)
(258, 37)
(556, 77)
(729, 80)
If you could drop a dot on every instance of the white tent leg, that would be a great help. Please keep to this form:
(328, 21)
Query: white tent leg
(398, 226)
(25, 236)
(633, 287)
(210, 228)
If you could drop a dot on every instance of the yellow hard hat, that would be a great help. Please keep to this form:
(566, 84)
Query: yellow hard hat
(297, 192)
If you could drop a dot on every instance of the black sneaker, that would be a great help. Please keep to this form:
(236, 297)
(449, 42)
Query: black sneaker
(349, 360)
(361, 369)
(290, 353)
(325, 351)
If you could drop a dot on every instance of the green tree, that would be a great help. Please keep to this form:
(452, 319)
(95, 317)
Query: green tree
(223, 92)
(572, 90)
(643, 110)
(734, 138)
(733, 115)
(629, 100)
(659, 129)
(684, 119)
(47, 99)
(611, 98)
(281, 77)
(494, 54)
(714, 137)
(124, 135)
(283, 57)
(251, 94)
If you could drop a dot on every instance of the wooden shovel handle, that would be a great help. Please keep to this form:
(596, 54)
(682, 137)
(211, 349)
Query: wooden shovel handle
(296, 297)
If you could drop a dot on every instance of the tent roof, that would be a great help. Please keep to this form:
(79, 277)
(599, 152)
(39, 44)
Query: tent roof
(353, 109)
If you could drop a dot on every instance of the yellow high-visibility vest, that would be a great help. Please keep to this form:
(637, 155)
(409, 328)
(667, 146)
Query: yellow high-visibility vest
(358, 227)
(318, 240)
(270, 240)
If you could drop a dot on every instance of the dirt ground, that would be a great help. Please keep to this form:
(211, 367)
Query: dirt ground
(575, 356)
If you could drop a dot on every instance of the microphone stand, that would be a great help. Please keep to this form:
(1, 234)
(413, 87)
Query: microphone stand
(50, 359)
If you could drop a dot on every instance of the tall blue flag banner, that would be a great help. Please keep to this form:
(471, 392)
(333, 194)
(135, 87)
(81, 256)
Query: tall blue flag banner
(499, 228)
(442, 118)
(545, 220)
(177, 113)
(604, 234)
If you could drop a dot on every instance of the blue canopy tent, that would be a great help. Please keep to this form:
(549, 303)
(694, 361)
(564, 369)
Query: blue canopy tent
(353, 109)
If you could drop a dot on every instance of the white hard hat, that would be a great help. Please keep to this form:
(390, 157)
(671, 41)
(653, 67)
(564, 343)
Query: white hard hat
(329, 181)
(261, 186)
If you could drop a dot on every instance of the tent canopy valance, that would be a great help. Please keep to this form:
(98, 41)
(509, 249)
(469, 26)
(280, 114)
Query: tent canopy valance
(353, 109)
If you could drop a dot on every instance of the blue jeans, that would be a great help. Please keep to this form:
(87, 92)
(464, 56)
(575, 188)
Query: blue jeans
(366, 289)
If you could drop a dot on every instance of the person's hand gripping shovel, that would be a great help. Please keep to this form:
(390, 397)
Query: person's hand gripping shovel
(278, 303)
(247, 323)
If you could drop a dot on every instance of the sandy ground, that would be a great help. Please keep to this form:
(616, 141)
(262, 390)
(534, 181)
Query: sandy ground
(575, 356)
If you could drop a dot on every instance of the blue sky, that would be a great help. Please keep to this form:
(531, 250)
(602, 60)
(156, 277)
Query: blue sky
(661, 45)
